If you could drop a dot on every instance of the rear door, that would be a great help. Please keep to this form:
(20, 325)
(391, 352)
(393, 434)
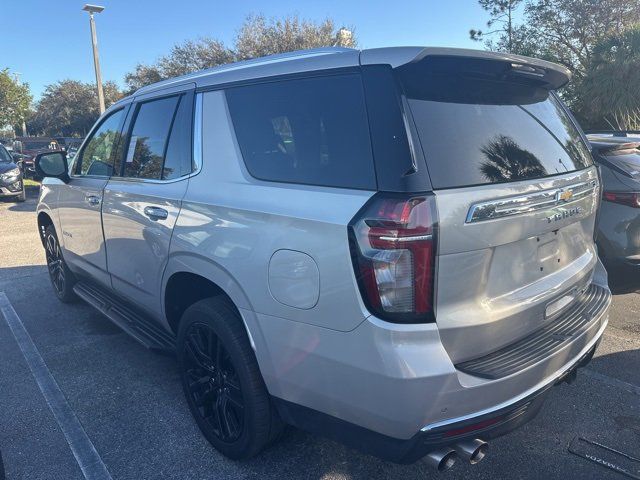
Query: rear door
(142, 203)
(80, 200)
(516, 195)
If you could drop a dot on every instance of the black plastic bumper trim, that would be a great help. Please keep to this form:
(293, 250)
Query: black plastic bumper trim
(566, 329)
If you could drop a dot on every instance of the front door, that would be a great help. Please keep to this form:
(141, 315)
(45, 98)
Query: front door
(80, 200)
(142, 204)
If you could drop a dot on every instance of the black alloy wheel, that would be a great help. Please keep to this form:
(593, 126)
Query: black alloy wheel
(62, 279)
(55, 263)
(221, 379)
(214, 385)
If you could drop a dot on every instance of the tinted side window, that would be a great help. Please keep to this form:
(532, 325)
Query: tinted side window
(97, 156)
(177, 162)
(146, 151)
(310, 131)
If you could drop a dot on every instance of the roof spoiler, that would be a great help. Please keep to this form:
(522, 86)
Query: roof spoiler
(546, 74)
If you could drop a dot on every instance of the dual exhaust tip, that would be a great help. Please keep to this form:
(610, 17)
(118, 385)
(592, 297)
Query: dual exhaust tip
(443, 459)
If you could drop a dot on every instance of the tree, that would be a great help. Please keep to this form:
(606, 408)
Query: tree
(143, 75)
(610, 92)
(192, 56)
(569, 29)
(561, 30)
(501, 17)
(70, 108)
(15, 100)
(257, 37)
(567, 32)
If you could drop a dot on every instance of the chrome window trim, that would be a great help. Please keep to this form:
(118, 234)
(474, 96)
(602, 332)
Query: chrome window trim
(531, 202)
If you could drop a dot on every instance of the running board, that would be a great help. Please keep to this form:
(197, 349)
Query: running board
(136, 325)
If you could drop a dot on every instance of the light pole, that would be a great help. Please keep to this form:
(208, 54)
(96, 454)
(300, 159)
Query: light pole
(94, 42)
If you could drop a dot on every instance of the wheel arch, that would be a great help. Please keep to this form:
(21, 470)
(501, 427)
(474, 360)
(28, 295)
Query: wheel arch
(190, 278)
(44, 220)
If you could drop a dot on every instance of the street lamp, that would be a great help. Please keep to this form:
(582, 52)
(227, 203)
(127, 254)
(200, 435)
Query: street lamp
(94, 42)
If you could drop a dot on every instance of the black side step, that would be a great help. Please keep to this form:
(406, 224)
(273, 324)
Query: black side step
(138, 326)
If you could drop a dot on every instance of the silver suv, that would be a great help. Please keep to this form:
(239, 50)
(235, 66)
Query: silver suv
(391, 247)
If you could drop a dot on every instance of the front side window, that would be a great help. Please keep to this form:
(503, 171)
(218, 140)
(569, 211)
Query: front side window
(311, 131)
(148, 140)
(96, 158)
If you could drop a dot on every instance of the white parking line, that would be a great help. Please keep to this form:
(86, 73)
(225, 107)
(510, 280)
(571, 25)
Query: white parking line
(83, 450)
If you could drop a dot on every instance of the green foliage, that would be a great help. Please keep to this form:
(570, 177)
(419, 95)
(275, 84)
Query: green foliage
(15, 100)
(588, 37)
(609, 95)
(69, 108)
(258, 36)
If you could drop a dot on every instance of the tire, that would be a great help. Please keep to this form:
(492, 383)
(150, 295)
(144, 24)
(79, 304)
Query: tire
(62, 279)
(23, 196)
(222, 382)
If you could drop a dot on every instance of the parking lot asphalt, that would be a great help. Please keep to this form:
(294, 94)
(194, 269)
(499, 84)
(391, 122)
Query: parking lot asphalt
(130, 404)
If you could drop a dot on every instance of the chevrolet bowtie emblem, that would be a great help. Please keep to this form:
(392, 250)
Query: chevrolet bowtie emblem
(565, 195)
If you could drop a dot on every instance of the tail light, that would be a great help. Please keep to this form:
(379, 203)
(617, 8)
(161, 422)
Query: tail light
(393, 247)
(632, 199)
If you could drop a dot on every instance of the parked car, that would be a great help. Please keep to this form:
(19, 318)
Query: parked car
(11, 184)
(619, 219)
(67, 143)
(30, 147)
(313, 237)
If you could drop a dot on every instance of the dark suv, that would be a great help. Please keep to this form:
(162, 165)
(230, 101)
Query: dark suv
(11, 181)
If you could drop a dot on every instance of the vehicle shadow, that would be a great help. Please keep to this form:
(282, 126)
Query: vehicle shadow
(13, 274)
(28, 206)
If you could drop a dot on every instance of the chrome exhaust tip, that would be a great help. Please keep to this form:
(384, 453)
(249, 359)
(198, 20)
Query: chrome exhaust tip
(473, 450)
(441, 459)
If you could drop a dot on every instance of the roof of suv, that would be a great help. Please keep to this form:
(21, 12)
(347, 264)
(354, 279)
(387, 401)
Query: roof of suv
(337, 57)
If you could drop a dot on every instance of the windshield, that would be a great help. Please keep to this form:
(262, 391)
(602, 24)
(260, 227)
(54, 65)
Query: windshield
(476, 131)
(5, 157)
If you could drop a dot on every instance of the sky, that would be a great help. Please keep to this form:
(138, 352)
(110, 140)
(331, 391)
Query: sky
(47, 41)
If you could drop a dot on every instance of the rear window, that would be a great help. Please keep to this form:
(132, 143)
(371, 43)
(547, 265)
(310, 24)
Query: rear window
(478, 131)
(310, 131)
(627, 160)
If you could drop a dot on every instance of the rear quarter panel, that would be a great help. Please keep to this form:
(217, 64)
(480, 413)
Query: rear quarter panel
(237, 223)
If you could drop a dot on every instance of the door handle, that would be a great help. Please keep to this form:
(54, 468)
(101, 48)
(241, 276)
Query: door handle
(156, 213)
(92, 200)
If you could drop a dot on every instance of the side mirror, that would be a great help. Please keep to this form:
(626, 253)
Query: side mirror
(52, 164)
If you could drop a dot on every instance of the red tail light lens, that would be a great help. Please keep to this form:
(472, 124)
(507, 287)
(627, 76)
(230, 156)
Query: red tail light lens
(631, 199)
(393, 246)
